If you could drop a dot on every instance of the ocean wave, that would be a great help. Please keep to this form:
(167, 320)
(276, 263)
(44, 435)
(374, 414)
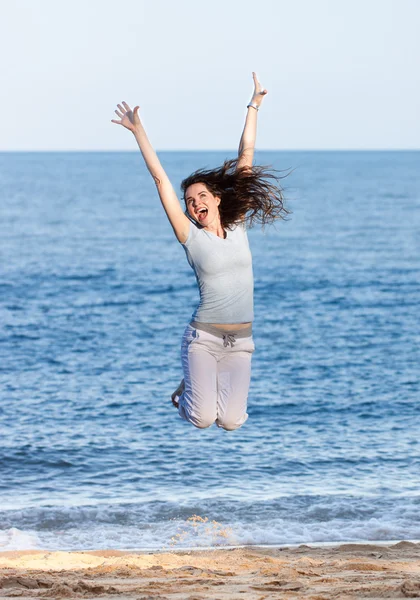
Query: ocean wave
(156, 525)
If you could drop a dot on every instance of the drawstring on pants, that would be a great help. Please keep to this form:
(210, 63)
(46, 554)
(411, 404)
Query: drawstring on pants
(229, 338)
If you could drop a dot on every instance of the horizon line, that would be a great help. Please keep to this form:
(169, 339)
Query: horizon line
(215, 150)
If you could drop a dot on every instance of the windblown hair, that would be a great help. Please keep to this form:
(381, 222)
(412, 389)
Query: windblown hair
(251, 194)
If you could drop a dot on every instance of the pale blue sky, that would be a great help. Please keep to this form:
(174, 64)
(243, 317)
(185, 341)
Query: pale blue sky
(340, 73)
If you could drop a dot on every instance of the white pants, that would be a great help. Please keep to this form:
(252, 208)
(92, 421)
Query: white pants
(217, 378)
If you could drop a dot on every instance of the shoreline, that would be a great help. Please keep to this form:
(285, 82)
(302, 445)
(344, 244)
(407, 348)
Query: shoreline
(319, 571)
(170, 549)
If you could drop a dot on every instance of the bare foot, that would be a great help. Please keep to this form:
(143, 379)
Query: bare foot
(177, 393)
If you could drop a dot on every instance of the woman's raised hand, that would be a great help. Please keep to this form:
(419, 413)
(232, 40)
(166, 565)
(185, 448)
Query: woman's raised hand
(128, 118)
(259, 91)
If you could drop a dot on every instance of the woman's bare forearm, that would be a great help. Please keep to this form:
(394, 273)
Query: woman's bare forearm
(168, 197)
(248, 137)
(150, 157)
(130, 120)
(249, 134)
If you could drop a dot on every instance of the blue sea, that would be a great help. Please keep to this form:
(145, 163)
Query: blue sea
(95, 293)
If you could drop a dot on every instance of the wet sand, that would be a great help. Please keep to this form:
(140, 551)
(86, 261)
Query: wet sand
(342, 572)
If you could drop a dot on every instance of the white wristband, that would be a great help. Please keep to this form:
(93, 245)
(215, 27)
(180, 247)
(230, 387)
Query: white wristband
(253, 106)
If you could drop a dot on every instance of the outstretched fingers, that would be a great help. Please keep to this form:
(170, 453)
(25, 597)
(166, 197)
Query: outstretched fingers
(120, 112)
(258, 87)
(128, 118)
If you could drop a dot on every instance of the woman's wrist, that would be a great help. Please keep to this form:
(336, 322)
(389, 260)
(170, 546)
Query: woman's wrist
(257, 99)
(137, 130)
(253, 105)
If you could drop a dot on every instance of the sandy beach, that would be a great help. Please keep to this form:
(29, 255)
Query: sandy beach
(318, 573)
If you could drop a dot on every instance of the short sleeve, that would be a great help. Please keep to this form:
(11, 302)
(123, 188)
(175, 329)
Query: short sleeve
(192, 234)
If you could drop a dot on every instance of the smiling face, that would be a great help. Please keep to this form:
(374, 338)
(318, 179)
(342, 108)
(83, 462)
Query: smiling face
(202, 205)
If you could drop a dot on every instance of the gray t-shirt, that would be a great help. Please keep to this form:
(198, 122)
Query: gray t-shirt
(223, 268)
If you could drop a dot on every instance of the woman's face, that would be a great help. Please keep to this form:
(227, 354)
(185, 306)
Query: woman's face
(202, 205)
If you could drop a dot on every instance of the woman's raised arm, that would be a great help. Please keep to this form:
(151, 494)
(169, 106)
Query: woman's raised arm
(249, 134)
(131, 121)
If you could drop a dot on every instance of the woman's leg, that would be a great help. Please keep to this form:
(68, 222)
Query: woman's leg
(198, 402)
(233, 378)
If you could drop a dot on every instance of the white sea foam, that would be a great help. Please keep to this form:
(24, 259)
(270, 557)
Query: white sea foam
(200, 531)
(15, 539)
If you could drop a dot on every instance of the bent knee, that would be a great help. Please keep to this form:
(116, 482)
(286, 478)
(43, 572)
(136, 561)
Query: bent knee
(199, 411)
(229, 425)
(202, 422)
(200, 419)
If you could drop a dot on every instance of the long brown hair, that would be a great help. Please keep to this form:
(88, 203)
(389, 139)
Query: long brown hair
(252, 194)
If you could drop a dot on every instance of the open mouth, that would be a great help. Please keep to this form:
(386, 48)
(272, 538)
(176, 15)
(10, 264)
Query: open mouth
(202, 214)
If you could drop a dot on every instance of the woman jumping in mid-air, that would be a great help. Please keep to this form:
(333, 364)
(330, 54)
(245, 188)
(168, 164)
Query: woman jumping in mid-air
(217, 344)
